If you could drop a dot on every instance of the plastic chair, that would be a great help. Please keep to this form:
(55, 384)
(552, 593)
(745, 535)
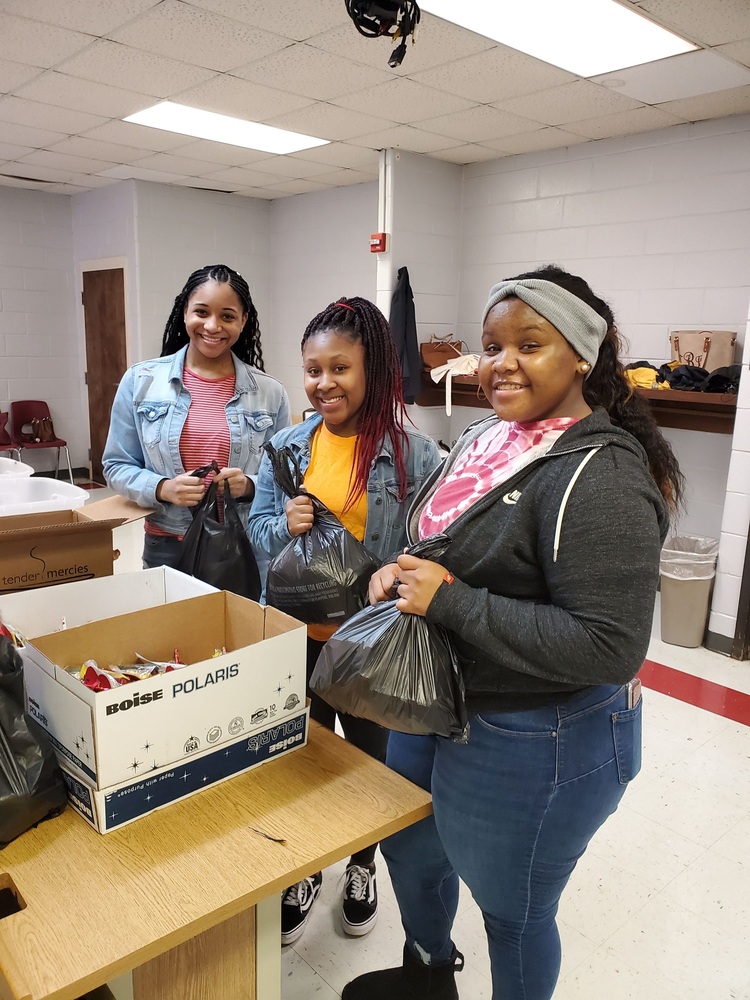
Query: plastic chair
(6, 444)
(22, 412)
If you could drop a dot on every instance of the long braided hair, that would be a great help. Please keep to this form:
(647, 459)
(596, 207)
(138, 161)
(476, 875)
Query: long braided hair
(607, 386)
(247, 347)
(382, 414)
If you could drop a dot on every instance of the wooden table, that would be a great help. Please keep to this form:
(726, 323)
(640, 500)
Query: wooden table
(173, 896)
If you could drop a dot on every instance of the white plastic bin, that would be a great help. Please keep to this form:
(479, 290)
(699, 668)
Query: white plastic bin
(35, 496)
(687, 569)
(12, 469)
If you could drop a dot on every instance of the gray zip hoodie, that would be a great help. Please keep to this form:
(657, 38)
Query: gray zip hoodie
(555, 569)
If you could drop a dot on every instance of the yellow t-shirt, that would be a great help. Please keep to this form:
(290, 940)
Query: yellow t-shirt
(328, 477)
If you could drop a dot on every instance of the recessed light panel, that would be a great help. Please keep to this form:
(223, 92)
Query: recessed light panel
(180, 118)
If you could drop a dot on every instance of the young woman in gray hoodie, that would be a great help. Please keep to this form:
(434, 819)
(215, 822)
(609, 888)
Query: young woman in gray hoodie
(556, 507)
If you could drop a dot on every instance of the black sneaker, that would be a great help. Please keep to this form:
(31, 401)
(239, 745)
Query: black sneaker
(360, 910)
(296, 904)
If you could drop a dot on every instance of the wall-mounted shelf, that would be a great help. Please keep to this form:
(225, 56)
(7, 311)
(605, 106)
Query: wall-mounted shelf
(693, 411)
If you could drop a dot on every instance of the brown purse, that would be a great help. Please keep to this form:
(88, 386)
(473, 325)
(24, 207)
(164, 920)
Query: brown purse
(439, 350)
(709, 349)
(43, 429)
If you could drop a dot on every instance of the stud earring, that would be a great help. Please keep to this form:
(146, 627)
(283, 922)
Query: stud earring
(585, 367)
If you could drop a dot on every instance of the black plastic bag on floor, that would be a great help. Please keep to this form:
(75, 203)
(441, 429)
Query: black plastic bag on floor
(396, 669)
(31, 783)
(321, 576)
(217, 550)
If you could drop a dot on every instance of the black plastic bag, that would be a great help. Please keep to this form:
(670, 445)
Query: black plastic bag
(31, 783)
(320, 577)
(219, 552)
(396, 669)
(725, 380)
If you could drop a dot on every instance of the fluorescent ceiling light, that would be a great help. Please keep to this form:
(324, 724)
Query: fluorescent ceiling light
(223, 128)
(585, 37)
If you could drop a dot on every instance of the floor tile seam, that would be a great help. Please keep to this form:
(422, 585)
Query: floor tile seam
(680, 833)
(646, 976)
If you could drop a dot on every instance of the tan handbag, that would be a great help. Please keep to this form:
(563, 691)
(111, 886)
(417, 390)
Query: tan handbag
(439, 350)
(43, 429)
(709, 349)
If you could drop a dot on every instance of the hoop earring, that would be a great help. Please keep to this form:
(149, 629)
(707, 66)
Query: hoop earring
(480, 393)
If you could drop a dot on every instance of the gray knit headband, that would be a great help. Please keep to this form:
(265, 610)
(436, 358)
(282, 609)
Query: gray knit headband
(583, 328)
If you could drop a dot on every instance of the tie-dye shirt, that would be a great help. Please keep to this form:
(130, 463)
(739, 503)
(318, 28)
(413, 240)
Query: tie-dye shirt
(502, 451)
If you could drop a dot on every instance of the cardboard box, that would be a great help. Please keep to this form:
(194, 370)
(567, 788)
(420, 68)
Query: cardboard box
(114, 807)
(40, 550)
(108, 737)
(37, 612)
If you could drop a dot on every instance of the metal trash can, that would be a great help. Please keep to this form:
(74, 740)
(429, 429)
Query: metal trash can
(687, 569)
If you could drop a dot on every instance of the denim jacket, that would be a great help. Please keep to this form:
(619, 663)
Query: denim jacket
(148, 414)
(385, 529)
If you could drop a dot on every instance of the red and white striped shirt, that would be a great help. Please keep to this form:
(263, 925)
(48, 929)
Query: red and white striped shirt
(205, 435)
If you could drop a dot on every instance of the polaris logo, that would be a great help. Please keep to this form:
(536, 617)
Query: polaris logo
(135, 702)
(191, 684)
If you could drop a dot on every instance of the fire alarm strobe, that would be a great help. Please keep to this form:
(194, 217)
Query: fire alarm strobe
(378, 242)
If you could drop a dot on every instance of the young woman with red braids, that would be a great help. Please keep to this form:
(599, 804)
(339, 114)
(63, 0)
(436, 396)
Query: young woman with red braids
(364, 464)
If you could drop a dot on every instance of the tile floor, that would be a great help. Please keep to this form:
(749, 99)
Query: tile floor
(658, 908)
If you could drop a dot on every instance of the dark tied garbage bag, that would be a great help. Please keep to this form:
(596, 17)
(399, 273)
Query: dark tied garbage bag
(320, 577)
(31, 783)
(218, 551)
(396, 669)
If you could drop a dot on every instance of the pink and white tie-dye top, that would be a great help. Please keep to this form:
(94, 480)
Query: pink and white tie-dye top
(496, 455)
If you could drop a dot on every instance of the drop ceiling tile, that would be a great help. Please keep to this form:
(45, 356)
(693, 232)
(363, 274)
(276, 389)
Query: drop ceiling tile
(686, 75)
(404, 137)
(268, 194)
(437, 42)
(328, 122)
(533, 142)
(96, 17)
(63, 91)
(111, 152)
(305, 19)
(204, 184)
(289, 166)
(342, 178)
(39, 44)
(219, 153)
(228, 95)
(44, 116)
(624, 123)
(403, 101)
(299, 187)
(739, 51)
(302, 69)
(174, 163)
(23, 135)
(129, 171)
(568, 103)
(469, 152)
(31, 171)
(478, 124)
(711, 23)
(496, 74)
(11, 151)
(122, 66)
(196, 36)
(236, 177)
(14, 74)
(341, 154)
(723, 102)
(63, 161)
(130, 134)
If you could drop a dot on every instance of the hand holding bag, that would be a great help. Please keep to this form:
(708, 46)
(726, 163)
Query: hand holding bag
(396, 669)
(219, 551)
(321, 577)
(31, 783)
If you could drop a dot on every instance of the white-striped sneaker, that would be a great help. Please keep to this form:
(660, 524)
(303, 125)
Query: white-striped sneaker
(360, 908)
(296, 905)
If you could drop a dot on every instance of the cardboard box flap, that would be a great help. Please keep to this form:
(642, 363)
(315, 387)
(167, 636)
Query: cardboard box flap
(115, 507)
(58, 522)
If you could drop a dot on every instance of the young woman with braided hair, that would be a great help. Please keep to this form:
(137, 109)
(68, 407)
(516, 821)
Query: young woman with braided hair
(362, 461)
(207, 398)
(556, 507)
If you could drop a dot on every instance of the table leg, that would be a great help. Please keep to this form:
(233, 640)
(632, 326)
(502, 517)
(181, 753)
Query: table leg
(268, 948)
(219, 963)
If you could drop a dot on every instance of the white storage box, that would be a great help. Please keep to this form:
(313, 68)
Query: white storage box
(12, 470)
(109, 737)
(114, 807)
(23, 495)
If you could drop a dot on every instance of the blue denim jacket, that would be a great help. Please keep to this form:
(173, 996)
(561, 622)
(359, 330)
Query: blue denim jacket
(385, 529)
(148, 414)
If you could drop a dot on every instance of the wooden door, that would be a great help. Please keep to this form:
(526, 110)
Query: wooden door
(104, 322)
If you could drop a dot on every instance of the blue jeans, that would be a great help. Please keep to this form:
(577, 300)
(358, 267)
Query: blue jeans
(161, 550)
(514, 810)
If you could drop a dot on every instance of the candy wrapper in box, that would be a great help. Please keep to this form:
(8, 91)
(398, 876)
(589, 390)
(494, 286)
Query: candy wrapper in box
(105, 678)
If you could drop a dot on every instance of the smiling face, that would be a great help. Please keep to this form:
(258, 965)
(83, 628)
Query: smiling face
(335, 380)
(214, 319)
(528, 370)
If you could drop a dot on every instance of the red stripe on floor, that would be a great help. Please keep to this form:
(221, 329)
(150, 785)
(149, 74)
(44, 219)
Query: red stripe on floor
(696, 691)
